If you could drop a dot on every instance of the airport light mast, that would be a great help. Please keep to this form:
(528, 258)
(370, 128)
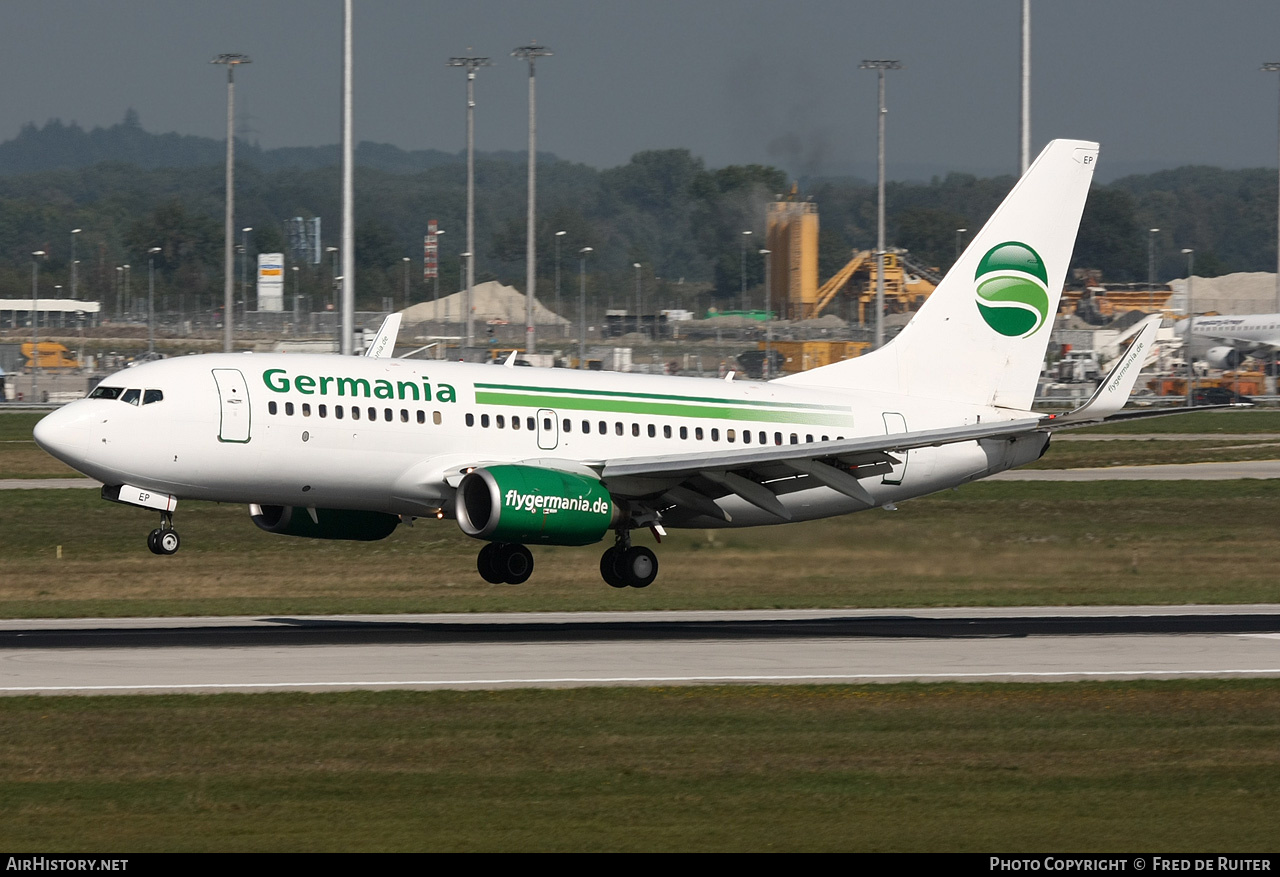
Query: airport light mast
(1191, 325)
(582, 306)
(471, 64)
(231, 60)
(1024, 126)
(880, 67)
(35, 324)
(1274, 67)
(531, 53)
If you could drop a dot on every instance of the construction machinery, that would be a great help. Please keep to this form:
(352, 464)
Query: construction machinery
(50, 356)
(792, 236)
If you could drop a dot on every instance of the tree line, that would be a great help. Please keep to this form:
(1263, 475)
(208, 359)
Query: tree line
(665, 209)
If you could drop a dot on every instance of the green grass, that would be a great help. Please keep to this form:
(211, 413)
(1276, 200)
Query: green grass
(987, 544)
(1147, 452)
(1173, 766)
(1231, 420)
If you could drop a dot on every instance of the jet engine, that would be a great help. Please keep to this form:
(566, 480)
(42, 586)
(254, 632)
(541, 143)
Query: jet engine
(1224, 357)
(530, 504)
(357, 526)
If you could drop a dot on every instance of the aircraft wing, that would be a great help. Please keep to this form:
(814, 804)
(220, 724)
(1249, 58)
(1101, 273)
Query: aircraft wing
(676, 478)
(385, 341)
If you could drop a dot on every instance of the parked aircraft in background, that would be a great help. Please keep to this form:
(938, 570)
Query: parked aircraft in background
(1245, 335)
(337, 447)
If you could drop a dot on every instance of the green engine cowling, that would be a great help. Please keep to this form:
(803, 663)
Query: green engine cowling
(357, 526)
(529, 504)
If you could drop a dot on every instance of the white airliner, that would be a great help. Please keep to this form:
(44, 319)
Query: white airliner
(336, 447)
(1245, 334)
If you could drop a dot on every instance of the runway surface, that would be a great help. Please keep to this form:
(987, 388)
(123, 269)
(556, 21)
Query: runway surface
(118, 656)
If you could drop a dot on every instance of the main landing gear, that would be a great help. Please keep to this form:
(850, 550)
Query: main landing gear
(164, 539)
(509, 563)
(505, 563)
(628, 566)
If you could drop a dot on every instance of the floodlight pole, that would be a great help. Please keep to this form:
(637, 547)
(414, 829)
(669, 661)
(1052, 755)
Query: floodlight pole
(1191, 326)
(531, 53)
(1274, 67)
(768, 311)
(231, 60)
(1151, 268)
(565, 329)
(471, 64)
(346, 344)
(582, 306)
(880, 67)
(35, 325)
(74, 264)
(1024, 127)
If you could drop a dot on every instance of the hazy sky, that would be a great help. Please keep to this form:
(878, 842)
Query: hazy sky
(1159, 82)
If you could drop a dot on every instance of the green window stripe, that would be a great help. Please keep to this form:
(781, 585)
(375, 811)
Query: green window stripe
(516, 388)
(663, 409)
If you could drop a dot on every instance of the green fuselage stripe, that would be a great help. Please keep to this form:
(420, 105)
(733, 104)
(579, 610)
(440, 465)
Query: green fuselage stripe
(661, 409)
(661, 397)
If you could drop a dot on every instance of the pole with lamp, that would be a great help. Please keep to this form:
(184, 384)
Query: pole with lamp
(1191, 325)
(244, 275)
(35, 323)
(435, 308)
(768, 312)
(151, 299)
(564, 327)
(959, 242)
(406, 260)
(471, 64)
(74, 262)
(1151, 268)
(231, 60)
(582, 306)
(639, 310)
(880, 67)
(297, 301)
(742, 269)
(531, 53)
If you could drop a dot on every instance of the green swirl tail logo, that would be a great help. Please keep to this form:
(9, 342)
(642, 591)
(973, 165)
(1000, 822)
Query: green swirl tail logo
(1013, 295)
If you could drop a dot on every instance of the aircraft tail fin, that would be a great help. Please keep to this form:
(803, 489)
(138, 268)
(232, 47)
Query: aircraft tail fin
(981, 336)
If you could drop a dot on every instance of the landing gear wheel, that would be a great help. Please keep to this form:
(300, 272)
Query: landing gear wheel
(153, 540)
(168, 542)
(638, 566)
(609, 568)
(487, 563)
(515, 563)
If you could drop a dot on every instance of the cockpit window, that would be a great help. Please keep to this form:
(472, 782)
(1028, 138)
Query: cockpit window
(152, 396)
(106, 392)
(131, 396)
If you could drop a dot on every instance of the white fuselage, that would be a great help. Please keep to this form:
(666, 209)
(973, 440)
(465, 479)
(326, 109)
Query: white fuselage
(395, 435)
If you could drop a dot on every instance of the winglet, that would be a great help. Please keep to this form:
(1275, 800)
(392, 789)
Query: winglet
(511, 360)
(1113, 392)
(385, 341)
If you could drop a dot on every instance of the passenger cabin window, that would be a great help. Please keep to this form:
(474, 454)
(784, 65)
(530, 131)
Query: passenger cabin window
(131, 396)
(272, 407)
(106, 392)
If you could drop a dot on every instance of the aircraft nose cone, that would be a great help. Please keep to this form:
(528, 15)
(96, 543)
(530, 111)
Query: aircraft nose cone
(62, 434)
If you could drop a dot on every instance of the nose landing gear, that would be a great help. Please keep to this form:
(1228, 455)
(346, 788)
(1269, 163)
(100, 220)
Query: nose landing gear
(164, 539)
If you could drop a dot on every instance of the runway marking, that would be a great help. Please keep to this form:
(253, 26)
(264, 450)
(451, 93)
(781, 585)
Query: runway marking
(618, 680)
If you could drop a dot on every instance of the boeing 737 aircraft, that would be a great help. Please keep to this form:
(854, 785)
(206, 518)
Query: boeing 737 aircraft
(334, 447)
